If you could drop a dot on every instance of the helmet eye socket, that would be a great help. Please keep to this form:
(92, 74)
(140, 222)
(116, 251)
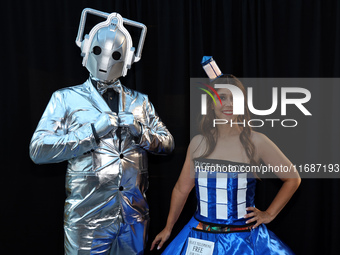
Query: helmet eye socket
(116, 55)
(96, 50)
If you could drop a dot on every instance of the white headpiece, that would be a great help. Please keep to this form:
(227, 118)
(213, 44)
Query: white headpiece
(210, 67)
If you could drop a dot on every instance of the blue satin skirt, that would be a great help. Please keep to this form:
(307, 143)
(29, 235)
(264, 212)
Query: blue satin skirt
(259, 241)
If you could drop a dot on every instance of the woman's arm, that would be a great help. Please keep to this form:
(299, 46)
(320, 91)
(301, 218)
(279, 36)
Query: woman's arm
(180, 193)
(272, 156)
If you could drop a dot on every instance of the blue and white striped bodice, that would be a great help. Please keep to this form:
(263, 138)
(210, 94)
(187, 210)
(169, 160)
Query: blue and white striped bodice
(222, 196)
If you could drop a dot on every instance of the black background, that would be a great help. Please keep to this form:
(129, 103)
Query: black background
(253, 38)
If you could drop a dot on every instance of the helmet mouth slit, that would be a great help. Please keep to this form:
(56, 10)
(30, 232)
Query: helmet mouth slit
(101, 70)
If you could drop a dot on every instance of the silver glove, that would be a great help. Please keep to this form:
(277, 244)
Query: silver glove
(107, 122)
(126, 119)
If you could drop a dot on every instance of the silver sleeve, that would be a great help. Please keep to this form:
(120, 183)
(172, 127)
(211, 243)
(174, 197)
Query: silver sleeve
(155, 137)
(52, 140)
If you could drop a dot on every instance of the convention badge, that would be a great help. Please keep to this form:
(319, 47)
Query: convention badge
(199, 247)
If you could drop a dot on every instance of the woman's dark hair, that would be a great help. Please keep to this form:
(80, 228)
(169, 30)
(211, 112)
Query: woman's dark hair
(211, 134)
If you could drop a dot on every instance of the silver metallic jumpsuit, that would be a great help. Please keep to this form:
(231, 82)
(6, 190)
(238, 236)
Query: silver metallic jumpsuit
(105, 211)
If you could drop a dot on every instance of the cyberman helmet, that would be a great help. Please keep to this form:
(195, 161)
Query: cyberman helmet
(107, 50)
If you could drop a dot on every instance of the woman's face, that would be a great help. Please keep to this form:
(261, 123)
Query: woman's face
(224, 111)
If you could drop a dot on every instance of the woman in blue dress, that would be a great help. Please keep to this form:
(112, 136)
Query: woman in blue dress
(217, 164)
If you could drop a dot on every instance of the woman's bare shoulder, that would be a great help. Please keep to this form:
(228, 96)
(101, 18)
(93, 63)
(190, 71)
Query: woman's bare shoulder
(197, 140)
(264, 146)
(258, 138)
(197, 145)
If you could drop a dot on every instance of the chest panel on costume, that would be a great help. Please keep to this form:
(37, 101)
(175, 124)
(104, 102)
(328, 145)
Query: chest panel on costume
(222, 193)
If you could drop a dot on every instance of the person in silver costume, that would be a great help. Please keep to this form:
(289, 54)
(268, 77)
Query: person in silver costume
(104, 130)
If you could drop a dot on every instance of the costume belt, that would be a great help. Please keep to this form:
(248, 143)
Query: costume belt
(224, 228)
